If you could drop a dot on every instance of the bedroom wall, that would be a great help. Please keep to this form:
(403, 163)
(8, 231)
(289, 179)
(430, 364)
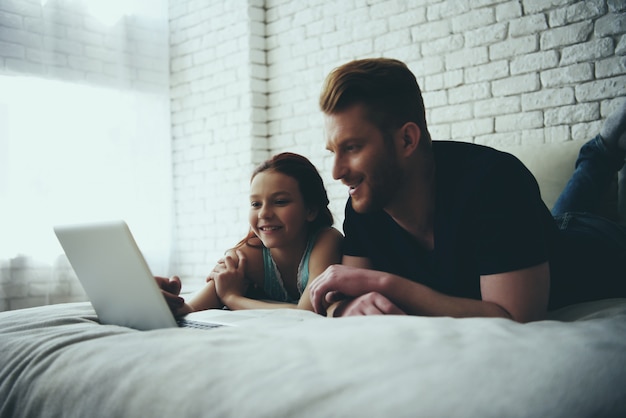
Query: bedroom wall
(219, 124)
(246, 76)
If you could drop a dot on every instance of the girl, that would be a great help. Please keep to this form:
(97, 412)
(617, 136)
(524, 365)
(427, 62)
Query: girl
(291, 241)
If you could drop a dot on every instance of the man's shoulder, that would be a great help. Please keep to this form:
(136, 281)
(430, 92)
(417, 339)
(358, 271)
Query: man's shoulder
(466, 172)
(464, 149)
(471, 159)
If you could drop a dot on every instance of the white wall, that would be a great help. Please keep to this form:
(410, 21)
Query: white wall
(219, 124)
(492, 72)
(79, 139)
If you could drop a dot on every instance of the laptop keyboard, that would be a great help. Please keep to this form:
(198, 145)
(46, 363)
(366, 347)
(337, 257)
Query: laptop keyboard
(186, 323)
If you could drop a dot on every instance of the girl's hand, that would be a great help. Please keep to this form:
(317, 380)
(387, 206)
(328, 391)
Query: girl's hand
(229, 277)
(170, 288)
(220, 267)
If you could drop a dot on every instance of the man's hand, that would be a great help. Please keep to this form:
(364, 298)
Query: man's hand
(369, 304)
(339, 282)
(170, 288)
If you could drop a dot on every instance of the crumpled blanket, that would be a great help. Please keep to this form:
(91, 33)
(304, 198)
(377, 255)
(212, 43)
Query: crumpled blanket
(58, 361)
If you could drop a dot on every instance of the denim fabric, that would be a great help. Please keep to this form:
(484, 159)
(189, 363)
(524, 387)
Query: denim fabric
(596, 168)
(596, 226)
(589, 260)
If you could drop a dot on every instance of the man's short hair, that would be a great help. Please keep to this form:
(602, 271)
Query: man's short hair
(386, 87)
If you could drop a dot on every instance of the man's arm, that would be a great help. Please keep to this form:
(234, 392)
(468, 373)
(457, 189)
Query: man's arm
(521, 295)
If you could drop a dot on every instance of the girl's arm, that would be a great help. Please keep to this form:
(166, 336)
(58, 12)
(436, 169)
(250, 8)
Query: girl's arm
(205, 298)
(232, 275)
(326, 251)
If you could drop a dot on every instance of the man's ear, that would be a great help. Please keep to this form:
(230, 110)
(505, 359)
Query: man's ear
(410, 138)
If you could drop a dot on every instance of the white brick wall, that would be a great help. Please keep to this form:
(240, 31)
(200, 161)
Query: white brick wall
(219, 124)
(492, 72)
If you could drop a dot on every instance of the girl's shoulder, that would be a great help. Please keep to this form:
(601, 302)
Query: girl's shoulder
(326, 251)
(331, 231)
(328, 237)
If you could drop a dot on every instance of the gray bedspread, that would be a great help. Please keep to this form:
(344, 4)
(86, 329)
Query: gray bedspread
(58, 361)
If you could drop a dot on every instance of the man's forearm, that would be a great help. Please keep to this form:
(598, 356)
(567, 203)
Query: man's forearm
(418, 299)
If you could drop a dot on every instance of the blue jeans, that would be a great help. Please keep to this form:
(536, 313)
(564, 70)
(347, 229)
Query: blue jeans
(595, 170)
(576, 206)
(595, 247)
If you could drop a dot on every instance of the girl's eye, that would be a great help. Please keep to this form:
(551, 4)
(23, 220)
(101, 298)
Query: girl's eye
(281, 202)
(255, 204)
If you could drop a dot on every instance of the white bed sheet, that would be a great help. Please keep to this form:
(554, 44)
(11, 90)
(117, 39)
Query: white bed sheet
(57, 361)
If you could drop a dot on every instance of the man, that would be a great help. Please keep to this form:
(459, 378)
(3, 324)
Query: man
(447, 228)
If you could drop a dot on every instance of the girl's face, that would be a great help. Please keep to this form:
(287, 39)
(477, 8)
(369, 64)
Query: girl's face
(278, 215)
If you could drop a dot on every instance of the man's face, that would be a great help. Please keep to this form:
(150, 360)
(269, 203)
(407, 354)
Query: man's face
(363, 160)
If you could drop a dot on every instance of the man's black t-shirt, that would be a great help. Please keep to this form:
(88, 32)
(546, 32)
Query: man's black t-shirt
(489, 218)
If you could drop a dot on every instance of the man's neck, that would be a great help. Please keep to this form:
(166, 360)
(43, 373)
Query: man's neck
(414, 207)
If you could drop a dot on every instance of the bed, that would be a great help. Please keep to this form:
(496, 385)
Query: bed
(58, 361)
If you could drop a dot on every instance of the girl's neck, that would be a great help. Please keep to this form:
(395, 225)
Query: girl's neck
(287, 260)
(288, 257)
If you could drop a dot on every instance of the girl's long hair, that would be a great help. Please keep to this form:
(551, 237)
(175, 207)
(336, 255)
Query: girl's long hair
(310, 184)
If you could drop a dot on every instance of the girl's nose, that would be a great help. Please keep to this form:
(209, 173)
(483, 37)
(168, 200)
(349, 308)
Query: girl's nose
(265, 212)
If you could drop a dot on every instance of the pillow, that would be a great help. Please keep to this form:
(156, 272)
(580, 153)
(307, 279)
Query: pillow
(552, 164)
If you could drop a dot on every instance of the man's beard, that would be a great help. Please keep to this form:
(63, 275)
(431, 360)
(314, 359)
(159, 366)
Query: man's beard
(383, 183)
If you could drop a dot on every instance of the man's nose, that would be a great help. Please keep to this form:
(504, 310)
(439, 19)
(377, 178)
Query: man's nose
(339, 170)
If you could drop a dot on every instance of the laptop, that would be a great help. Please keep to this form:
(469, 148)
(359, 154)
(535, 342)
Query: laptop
(119, 283)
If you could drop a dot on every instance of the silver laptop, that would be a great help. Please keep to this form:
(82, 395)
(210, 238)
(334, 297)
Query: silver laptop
(119, 283)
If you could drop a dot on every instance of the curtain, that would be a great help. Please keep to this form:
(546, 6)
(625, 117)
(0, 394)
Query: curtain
(84, 135)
